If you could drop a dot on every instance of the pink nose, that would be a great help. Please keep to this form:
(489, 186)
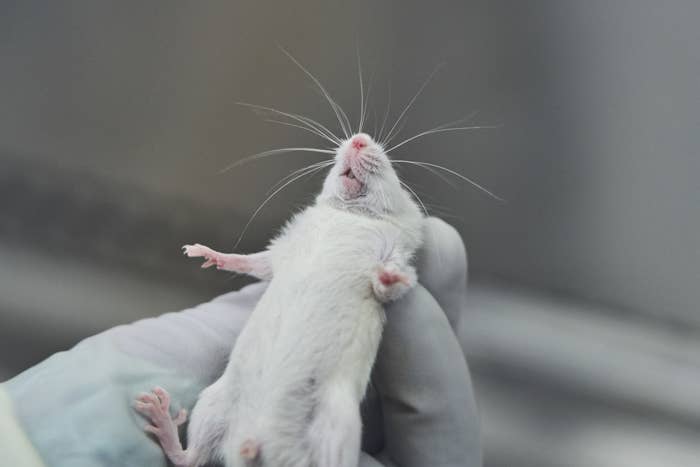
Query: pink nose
(359, 142)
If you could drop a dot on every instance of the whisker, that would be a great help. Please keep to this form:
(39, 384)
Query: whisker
(399, 129)
(262, 205)
(441, 177)
(332, 136)
(444, 212)
(299, 118)
(345, 117)
(322, 164)
(334, 105)
(425, 165)
(425, 211)
(415, 195)
(386, 114)
(280, 122)
(440, 130)
(369, 92)
(273, 152)
(374, 120)
(389, 135)
(308, 122)
(362, 90)
(459, 121)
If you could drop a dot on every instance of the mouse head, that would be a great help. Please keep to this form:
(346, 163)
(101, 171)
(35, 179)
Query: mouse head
(364, 180)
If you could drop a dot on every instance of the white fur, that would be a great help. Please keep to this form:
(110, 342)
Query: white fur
(301, 365)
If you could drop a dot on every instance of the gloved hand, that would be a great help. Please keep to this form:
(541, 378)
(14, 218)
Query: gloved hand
(74, 409)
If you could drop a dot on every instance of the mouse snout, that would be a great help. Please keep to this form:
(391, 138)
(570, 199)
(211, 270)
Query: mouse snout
(359, 153)
(360, 141)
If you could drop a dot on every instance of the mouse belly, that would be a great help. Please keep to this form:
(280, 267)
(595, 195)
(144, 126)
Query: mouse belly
(302, 364)
(289, 346)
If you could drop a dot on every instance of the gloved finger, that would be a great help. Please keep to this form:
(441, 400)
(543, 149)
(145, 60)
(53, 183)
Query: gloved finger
(429, 412)
(76, 407)
(442, 267)
(195, 342)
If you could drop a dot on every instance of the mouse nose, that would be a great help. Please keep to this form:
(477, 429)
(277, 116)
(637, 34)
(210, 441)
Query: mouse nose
(359, 141)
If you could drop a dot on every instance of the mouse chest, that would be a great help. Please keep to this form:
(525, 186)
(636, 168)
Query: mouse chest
(332, 242)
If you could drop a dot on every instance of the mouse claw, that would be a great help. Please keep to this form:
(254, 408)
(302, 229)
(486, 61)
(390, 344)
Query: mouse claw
(163, 398)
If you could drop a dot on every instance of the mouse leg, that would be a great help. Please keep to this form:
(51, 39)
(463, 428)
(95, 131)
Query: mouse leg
(392, 279)
(257, 264)
(334, 434)
(210, 421)
(156, 407)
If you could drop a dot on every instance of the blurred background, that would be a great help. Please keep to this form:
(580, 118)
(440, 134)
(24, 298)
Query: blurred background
(583, 332)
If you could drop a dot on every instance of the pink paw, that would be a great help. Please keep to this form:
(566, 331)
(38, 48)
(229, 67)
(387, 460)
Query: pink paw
(389, 278)
(389, 283)
(212, 257)
(155, 406)
(249, 449)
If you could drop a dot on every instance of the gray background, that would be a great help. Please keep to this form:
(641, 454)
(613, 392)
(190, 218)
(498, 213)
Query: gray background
(117, 117)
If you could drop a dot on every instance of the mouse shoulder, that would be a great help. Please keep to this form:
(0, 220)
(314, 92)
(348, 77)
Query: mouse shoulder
(304, 225)
(411, 229)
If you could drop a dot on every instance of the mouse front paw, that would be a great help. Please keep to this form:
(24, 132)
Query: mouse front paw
(212, 257)
(390, 282)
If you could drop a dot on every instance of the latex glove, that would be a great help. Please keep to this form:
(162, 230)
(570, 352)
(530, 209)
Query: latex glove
(74, 409)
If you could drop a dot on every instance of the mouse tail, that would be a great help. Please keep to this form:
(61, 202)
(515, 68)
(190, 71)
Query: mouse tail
(250, 449)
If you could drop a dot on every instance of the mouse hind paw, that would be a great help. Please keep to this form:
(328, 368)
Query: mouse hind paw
(155, 406)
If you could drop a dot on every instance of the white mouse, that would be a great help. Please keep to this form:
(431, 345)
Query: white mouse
(291, 391)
